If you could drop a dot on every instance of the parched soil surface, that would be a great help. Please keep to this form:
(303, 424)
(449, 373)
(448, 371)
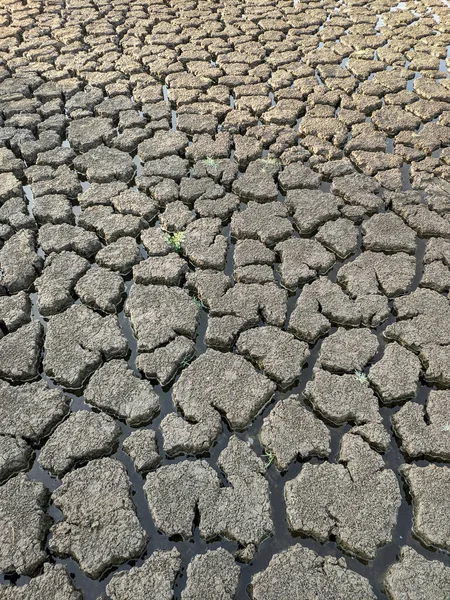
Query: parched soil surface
(224, 309)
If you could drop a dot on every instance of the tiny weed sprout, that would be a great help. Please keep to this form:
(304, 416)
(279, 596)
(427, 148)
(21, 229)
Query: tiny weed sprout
(270, 161)
(445, 427)
(197, 302)
(175, 240)
(270, 457)
(210, 162)
(361, 377)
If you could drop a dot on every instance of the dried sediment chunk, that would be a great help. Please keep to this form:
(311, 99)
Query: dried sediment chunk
(277, 352)
(423, 321)
(100, 527)
(102, 289)
(416, 578)
(173, 492)
(302, 260)
(57, 282)
(15, 311)
(23, 525)
(204, 245)
(375, 272)
(430, 490)
(348, 350)
(83, 436)
(30, 410)
(54, 582)
(301, 573)
(115, 390)
(155, 578)
(357, 500)
(159, 314)
(77, 342)
(386, 232)
(103, 165)
(340, 236)
(142, 449)
(19, 261)
(212, 575)
(290, 431)
(20, 352)
(225, 382)
(15, 455)
(342, 398)
(396, 375)
(323, 302)
(164, 362)
(312, 208)
(267, 223)
(57, 238)
(424, 431)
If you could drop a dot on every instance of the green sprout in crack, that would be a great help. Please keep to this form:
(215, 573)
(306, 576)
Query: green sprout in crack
(198, 303)
(210, 162)
(445, 427)
(175, 240)
(270, 457)
(361, 377)
(187, 361)
(271, 161)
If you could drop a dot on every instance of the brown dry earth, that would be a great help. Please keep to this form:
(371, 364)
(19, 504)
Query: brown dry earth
(224, 309)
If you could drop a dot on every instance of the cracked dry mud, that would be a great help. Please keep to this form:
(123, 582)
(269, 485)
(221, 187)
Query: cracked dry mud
(224, 300)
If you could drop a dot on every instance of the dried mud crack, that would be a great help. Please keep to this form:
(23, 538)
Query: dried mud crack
(224, 300)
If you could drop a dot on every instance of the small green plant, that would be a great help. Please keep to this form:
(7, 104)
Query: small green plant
(270, 161)
(210, 162)
(175, 240)
(187, 361)
(198, 303)
(361, 377)
(270, 457)
(445, 427)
